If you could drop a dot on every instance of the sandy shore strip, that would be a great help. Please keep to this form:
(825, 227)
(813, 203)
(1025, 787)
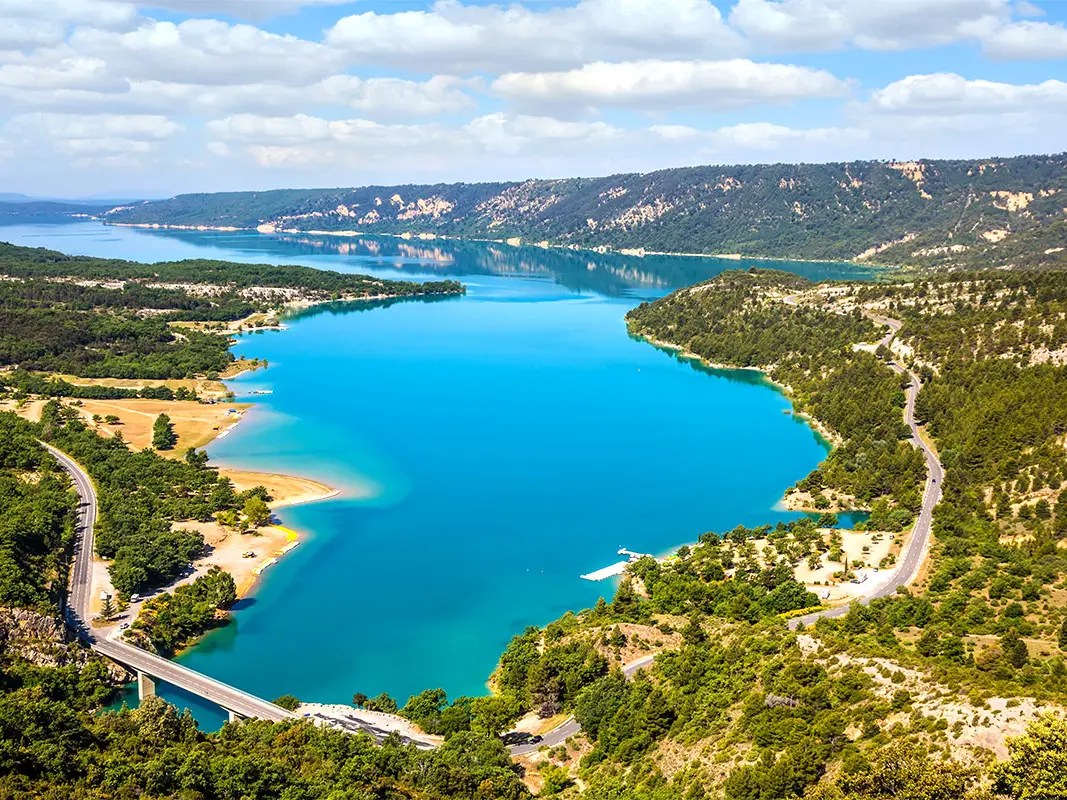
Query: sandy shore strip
(287, 490)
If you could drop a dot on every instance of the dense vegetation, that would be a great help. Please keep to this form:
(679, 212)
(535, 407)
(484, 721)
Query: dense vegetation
(23, 384)
(50, 746)
(30, 263)
(987, 212)
(859, 707)
(141, 496)
(54, 745)
(36, 530)
(899, 698)
(105, 318)
(169, 621)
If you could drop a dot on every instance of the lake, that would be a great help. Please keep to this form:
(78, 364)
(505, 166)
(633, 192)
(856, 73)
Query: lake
(489, 449)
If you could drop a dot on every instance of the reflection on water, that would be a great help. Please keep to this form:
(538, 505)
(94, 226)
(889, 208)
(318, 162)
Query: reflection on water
(611, 274)
(342, 307)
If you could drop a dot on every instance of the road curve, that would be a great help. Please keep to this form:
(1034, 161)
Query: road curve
(570, 726)
(79, 617)
(914, 552)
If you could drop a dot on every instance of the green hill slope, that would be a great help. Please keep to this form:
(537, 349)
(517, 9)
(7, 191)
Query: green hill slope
(991, 212)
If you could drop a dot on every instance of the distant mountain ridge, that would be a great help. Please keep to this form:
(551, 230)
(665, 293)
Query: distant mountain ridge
(983, 212)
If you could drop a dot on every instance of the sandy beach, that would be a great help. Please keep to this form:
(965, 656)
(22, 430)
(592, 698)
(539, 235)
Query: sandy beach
(287, 490)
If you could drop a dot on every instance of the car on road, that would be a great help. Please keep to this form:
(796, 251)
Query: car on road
(124, 626)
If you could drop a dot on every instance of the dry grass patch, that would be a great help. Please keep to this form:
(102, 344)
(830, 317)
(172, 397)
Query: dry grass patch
(195, 424)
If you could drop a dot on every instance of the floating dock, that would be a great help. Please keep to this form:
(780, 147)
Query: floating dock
(615, 569)
(607, 572)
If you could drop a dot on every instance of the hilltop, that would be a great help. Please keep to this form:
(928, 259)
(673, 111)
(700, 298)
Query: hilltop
(993, 212)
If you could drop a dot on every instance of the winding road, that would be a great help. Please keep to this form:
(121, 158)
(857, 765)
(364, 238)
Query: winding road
(918, 545)
(247, 705)
(911, 558)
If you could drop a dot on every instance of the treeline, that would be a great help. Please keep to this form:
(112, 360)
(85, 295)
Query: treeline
(95, 345)
(799, 727)
(62, 313)
(26, 262)
(141, 495)
(24, 383)
(53, 745)
(36, 522)
(744, 319)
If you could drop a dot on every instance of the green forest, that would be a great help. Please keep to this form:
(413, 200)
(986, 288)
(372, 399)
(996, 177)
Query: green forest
(926, 213)
(809, 349)
(106, 318)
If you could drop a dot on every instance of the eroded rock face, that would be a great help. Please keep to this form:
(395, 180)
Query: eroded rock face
(45, 641)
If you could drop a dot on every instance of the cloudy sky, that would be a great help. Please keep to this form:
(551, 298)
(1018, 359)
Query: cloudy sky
(120, 96)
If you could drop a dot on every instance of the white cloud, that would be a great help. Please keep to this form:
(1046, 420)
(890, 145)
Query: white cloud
(82, 139)
(27, 34)
(207, 52)
(815, 25)
(764, 136)
(663, 85)
(462, 39)
(85, 85)
(80, 74)
(58, 14)
(244, 9)
(490, 145)
(947, 94)
(1027, 40)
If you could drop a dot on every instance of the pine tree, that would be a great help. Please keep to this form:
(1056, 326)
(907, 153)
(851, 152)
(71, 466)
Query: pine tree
(1063, 635)
(107, 611)
(163, 437)
(1014, 649)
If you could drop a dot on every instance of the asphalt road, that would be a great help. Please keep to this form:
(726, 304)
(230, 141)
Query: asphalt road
(916, 549)
(229, 697)
(570, 726)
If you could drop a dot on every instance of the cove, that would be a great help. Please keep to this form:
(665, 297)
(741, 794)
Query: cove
(489, 449)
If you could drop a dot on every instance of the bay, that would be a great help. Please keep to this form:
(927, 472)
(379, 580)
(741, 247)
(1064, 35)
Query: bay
(489, 450)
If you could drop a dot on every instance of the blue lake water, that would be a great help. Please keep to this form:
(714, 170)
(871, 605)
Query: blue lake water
(509, 440)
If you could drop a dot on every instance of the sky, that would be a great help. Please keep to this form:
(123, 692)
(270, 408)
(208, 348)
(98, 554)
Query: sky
(120, 97)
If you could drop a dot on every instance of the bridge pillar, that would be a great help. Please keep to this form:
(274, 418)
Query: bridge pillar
(233, 716)
(146, 685)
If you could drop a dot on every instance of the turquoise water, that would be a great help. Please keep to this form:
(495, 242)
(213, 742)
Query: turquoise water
(509, 440)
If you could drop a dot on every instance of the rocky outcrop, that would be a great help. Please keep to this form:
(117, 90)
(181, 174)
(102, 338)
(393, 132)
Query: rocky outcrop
(45, 641)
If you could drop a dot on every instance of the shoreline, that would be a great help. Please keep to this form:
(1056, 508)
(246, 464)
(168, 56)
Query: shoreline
(638, 252)
(831, 439)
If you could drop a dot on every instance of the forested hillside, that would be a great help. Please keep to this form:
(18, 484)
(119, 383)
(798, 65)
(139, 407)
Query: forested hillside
(992, 212)
(753, 319)
(106, 318)
(909, 696)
